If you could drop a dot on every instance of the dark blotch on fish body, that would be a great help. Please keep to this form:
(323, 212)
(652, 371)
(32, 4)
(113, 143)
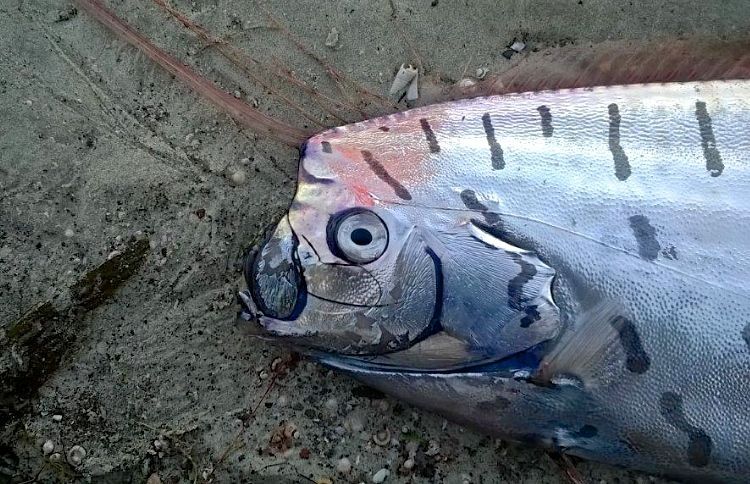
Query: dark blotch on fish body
(699, 443)
(547, 128)
(496, 152)
(499, 403)
(622, 166)
(587, 432)
(430, 136)
(531, 317)
(380, 171)
(645, 234)
(326, 147)
(636, 359)
(515, 285)
(470, 201)
(708, 141)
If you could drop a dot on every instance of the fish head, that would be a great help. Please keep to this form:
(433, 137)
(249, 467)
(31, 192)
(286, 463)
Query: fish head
(340, 272)
(371, 261)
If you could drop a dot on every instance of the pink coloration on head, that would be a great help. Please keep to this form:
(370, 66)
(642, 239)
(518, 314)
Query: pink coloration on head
(377, 163)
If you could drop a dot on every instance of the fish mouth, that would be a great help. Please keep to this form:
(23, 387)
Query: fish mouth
(276, 293)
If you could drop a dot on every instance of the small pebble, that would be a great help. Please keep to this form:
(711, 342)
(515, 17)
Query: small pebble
(380, 476)
(237, 94)
(480, 73)
(518, 46)
(382, 437)
(343, 466)
(333, 38)
(76, 454)
(408, 464)
(153, 479)
(69, 233)
(48, 447)
(282, 401)
(57, 418)
(332, 404)
(238, 178)
(28, 102)
(56, 457)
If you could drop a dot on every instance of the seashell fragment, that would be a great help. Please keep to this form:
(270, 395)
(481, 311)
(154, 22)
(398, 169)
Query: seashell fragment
(403, 79)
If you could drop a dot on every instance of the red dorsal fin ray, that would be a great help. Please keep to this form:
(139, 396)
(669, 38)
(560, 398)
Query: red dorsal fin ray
(239, 110)
(619, 62)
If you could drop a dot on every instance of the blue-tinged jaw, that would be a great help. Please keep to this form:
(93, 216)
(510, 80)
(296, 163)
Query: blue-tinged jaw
(360, 286)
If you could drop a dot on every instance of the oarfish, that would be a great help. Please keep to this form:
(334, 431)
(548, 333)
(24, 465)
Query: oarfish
(568, 267)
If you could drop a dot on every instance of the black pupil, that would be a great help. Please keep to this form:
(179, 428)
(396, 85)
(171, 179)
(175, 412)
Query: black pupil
(361, 236)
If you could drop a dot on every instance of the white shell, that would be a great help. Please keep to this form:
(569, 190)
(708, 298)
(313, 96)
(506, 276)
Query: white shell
(518, 46)
(412, 94)
(403, 77)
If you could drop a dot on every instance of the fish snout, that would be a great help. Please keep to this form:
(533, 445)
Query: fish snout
(276, 287)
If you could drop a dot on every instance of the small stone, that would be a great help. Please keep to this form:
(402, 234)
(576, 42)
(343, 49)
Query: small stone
(408, 464)
(382, 437)
(69, 233)
(332, 404)
(344, 466)
(517, 46)
(432, 448)
(304, 453)
(57, 418)
(354, 422)
(238, 178)
(508, 53)
(333, 38)
(480, 73)
(76, 454)
(48, 447)
(153, 479)
(237, 94)
(56, 457)
(282, 401)
(380, 476)
(28, 102)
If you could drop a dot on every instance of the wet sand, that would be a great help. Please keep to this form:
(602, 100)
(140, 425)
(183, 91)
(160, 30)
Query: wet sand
(105, 157)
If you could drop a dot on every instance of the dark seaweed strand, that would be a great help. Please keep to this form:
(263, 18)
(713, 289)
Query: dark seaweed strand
(699, 442)
(708, 141)
(496, 152)
(430, 136)
(622, 166)
(380, 172)
(546, 115)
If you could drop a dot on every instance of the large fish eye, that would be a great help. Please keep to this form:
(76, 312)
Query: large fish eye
(357, 236)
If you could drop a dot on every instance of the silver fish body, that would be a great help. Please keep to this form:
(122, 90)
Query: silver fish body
(565, 267)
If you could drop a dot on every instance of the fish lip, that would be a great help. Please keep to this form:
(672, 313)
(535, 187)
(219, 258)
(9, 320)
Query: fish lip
(253, 322)
(255, 304)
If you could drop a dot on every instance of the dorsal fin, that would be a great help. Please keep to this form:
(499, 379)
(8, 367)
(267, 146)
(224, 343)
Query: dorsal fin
(619, 62)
